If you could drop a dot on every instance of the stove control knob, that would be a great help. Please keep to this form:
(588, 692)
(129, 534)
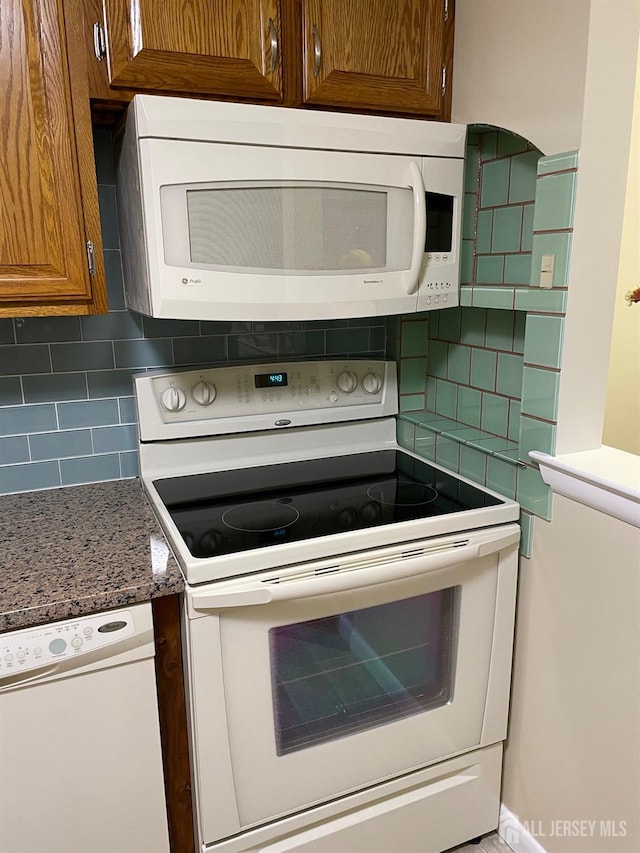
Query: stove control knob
(347, 382)
(173, 399)
(372, 383)
(204, 393)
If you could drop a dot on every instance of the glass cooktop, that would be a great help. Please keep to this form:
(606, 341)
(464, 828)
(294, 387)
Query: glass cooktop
(225, 512)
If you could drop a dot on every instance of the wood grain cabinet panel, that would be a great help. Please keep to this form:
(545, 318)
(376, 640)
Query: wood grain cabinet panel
(374, 54)
(48, 193)
(210, 47)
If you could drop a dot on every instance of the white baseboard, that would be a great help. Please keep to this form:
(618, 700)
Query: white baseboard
(515, 834)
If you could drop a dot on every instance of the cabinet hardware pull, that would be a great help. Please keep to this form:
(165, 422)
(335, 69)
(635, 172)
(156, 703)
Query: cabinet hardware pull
(91, 257)
(444, 80)
(99, 44)
(446, 10)
(317, 51)
(273, 40)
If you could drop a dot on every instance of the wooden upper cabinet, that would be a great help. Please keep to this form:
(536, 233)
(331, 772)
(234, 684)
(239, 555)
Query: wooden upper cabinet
(200, 47)
(374, 54)
(47, 174)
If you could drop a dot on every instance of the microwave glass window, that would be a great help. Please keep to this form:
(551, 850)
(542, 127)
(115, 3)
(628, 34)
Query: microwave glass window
(347, 673)
(439, 222)
(293, 228)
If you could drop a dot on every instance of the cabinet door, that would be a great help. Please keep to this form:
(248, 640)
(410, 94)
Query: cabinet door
(374, 54)
(45, 167)
(214, 47)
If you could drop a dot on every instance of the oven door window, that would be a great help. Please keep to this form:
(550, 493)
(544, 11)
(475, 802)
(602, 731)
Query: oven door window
(356, 670)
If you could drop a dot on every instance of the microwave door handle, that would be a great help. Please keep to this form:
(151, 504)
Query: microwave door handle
(419, 226)
(356, 578)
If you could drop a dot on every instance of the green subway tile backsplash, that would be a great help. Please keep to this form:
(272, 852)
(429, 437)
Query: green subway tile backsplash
(509, 376)
(517, 269)
(414, 338)
(533, 493)
(501, 350)
(469, 406)
(510, 143)
(554, 202)
(490, 269)
(543, 340)
(495, 183)
(483, 369)
(493, 297)
(501, 476)
(507, 229)
(413, 375)
(541, 301)
(499, 332)
(522, 186)
(495, 414)
(558, 162)
(459, 364)
(540, 392)
(484, 231)
(536, 435)
(446, 398)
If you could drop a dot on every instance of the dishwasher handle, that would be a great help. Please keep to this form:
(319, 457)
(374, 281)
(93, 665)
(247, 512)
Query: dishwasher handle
(327, 582)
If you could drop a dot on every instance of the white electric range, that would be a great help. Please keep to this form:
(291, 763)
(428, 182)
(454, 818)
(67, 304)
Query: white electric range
(348, 615)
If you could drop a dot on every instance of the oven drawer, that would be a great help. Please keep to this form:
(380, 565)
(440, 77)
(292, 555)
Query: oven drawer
(336, 676)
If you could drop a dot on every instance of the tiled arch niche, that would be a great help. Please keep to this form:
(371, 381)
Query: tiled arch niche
(479, 383)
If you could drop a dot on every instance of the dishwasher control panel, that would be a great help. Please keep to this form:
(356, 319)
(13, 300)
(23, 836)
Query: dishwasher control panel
(45, 645)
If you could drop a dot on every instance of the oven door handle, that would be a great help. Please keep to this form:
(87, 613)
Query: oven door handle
(327, 581)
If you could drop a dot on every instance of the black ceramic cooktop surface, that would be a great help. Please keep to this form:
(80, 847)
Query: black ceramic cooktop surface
(225, 512)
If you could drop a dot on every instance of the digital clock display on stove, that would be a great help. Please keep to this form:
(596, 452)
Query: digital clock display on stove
(271, 380)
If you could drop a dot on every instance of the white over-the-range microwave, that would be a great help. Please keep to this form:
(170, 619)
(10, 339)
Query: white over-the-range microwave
(245, 212)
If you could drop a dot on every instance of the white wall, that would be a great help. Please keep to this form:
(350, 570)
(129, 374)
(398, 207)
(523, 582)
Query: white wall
(573, 751)
(614, 30)
(622, 410)
(520, 65)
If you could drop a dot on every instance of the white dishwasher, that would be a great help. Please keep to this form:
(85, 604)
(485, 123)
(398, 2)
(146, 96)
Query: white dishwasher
(80, 756)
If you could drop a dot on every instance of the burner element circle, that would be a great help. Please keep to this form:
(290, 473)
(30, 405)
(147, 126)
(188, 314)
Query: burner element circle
(260, 516)
(402, 494)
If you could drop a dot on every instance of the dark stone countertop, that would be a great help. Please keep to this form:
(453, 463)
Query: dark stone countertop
(78, 550)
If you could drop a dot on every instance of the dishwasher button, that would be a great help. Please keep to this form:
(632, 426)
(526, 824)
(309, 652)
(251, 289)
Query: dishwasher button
(56, 647)
(8, 658)
(76, 642)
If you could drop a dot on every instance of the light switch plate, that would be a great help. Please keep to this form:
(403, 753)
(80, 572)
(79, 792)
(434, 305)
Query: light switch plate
(547, 263)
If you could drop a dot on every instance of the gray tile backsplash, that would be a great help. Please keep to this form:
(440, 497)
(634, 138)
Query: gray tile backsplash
(67, 414)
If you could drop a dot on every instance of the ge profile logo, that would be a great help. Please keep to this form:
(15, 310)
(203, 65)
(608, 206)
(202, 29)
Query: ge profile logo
(189, 282)
(185, 281)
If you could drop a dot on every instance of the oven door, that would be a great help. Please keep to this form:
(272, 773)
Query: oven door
(339, 674)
